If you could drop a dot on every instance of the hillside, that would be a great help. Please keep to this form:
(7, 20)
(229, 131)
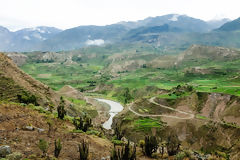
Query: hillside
(183, 22)
(230, 26)
(27, 39)
(202, 121)
(204, 54)
(81, 36)
(15, 82)
(16, 119)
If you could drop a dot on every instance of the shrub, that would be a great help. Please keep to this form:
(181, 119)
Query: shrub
(83, 149)
(43, 146)
(117, 142)
(27, 99)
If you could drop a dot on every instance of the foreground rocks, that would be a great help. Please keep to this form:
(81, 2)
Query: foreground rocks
(4, 151)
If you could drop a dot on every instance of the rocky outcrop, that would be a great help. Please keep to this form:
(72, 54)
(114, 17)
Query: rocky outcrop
(18, 58)
(4, 151)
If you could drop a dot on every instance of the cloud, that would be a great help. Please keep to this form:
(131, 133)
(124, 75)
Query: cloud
(174, 17)
(27, 38)
(97, 42)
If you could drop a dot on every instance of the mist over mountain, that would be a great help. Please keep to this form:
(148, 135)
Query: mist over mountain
(216, 23)
(172, 29)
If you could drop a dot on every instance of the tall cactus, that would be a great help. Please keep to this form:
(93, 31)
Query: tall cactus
(83, 149)
(126, 153)
(58, 148)
(151, 145)
(60, 109)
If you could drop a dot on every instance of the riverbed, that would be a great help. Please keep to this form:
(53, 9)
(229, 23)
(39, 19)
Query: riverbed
(115, 108)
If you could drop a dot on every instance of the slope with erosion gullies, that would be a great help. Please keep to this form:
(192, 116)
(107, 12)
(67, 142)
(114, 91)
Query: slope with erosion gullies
(15, 82)
(215, 126)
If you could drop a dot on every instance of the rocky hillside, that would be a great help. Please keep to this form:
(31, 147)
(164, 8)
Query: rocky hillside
(22, 127)
(15, 85)
(209, 122)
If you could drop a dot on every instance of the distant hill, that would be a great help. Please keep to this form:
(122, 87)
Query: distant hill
(27, 39)
(172, 30)
(183, 22)
(154, 29)
(5, 37)
(198, 53)
(81, 36)
(230, 26)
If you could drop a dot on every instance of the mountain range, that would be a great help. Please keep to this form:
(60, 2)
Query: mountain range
(162, 31)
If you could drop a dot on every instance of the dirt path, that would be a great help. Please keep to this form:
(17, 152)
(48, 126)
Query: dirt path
(188, 115)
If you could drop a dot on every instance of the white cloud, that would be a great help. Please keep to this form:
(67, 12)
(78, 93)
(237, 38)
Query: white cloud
(174, 17)
(97, 42)
(36, 35)
(27, 38)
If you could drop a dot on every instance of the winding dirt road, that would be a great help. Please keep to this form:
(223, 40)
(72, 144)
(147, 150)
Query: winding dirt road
(188, 115)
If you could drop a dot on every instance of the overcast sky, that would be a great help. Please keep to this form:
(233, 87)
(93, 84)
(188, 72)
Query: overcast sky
(16, 14)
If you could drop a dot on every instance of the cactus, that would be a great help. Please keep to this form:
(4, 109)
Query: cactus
(58, 148)
(82, 123)
(83, 149)
(126, 153)
(151, 145)
(173, 145)
(60, 109)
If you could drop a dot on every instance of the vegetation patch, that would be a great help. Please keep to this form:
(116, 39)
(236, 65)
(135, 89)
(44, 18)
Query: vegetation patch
(146, 124)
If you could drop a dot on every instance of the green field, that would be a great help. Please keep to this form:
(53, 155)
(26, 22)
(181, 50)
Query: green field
(59, 75)
(94, 68)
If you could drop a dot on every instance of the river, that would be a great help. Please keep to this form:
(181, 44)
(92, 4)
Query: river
(115, 108)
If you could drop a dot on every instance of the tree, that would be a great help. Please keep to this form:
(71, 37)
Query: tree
(58, 148)
(151, 145)
(60, 109)
(83, 149)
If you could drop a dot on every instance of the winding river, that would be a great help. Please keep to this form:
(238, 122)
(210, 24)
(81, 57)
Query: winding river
(115, 108)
